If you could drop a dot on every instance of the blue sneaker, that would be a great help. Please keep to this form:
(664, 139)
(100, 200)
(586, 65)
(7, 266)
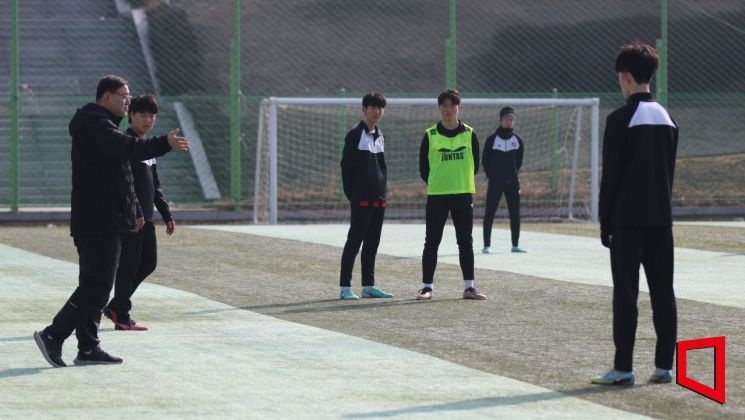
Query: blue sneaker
(486, 250)
(661, 376)
(614, 377)
(374, 292)
(518, 249)
(348, 294)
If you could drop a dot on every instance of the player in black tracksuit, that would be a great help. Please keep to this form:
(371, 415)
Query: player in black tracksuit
(502, 159)
(139, 249)
(103, 210)
(639, 150)
(363, 173)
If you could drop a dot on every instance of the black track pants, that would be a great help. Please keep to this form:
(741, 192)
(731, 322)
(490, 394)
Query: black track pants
(98, 260)
(653, 249)
(493, 195)
(365, 226)
(138, 260)
(460, 207)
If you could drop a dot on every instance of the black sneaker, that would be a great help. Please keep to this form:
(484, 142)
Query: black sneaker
(51, 348)
(96, 357)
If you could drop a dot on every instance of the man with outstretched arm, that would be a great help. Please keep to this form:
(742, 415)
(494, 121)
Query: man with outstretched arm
(104, 209)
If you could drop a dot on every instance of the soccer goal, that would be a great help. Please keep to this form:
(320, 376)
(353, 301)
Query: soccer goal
(300, 141)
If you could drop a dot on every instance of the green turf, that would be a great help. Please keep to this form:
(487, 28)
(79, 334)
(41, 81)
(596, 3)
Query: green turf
(540, 331)
(203, 359)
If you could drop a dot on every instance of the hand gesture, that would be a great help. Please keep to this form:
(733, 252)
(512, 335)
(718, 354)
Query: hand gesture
(177, 142)
(170, 227)
(606, 239)
(140, 223)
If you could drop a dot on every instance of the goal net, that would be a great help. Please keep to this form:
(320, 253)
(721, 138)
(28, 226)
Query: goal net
(300, 142)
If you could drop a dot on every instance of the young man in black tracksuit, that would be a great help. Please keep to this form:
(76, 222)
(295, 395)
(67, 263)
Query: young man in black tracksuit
(502, 159)
(363, 174)
(448, 163)
(139, 250)
(104, 210)
(639, 149)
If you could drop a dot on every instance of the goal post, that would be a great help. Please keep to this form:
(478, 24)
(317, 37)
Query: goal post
(299, 144)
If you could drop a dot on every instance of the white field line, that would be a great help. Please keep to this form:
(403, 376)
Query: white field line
(734, 224)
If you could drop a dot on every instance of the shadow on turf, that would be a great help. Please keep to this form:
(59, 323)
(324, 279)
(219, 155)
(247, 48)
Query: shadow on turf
(18, 338)
(343, 305)
(493, 402)
(303, 306)
(287, 305)
(9, 373)
(259, 307)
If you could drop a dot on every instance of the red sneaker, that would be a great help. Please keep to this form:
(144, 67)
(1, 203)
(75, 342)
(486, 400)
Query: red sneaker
(109, 313)
(132, 325)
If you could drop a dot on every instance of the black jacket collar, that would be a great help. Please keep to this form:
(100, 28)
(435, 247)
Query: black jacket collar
(450, 133)
(505, 133)
(132, 133)
(640, 97)
(364, 127)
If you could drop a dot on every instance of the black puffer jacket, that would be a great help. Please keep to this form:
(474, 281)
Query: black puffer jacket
(103, 199)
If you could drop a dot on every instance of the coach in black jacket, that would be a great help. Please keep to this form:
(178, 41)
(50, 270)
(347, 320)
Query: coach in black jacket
(639, 149)
(363, 173)
(104, 208)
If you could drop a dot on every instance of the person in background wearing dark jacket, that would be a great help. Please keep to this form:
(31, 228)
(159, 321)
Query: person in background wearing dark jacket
(363, 173)
(139, 254)
(639, 149)
(502, 159)
(104, 209)
(448, 163)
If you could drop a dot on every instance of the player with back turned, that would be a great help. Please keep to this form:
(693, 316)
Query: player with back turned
(639, 148)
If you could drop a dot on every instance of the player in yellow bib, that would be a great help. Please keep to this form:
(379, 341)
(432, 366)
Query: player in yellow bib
(448, 162)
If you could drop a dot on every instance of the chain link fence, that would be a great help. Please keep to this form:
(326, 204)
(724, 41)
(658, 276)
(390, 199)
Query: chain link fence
(181, 50)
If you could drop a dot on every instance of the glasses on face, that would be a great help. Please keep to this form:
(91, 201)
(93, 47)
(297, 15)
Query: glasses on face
(126, 97)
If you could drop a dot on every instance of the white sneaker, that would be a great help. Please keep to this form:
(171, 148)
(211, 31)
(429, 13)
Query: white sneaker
(661, 376)
(614, 377)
